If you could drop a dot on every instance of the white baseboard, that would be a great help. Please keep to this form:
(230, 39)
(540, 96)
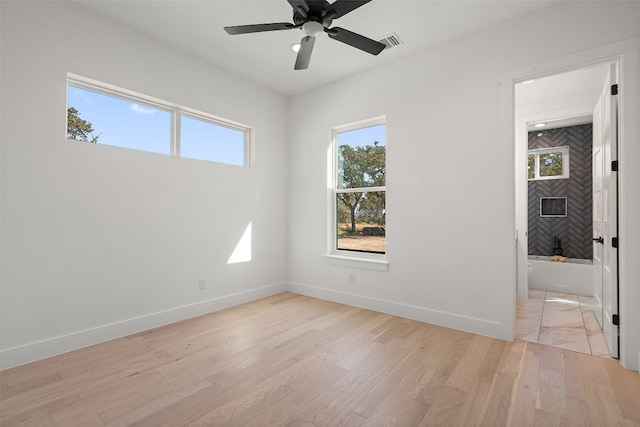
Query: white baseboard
(62, 344)
(32, 352)
(449, 320)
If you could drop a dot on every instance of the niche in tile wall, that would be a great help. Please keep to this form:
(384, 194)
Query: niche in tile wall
(553, 207)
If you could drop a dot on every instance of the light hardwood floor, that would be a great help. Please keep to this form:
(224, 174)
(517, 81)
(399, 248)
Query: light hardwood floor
(292, 360)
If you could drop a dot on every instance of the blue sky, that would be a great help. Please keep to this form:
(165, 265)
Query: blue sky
(123, 123)
(364, 136)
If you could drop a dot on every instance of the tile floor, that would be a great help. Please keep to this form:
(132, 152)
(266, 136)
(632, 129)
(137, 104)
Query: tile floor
(560, 320)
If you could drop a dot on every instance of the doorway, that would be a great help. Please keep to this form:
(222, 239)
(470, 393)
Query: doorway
(562, 306)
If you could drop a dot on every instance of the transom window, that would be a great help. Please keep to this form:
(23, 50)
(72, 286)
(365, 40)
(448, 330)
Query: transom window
(360, 187)
(101, 114)
(548, 163)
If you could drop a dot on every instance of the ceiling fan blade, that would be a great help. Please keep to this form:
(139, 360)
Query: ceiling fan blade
(258, 28)
(342, 7)
(304, 54)
(356, 40)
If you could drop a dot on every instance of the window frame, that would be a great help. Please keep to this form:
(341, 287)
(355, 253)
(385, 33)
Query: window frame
(176, 112)
(351, 258)
(536, 152)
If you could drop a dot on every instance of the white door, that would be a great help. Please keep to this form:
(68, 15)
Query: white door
(605, 208)
(598, 240)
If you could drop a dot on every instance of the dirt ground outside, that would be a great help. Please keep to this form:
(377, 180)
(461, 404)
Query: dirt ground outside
(359, 242)
(362, 243)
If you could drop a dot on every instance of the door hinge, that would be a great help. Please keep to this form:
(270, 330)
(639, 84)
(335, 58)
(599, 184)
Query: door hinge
(615, 319)
(614, 89)
(614, 166)
(614, 242)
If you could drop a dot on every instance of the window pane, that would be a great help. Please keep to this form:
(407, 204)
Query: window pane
(551, 164)
(200, 139)
(94, 117)
(361, 221)
(361, 157)
(531, 166)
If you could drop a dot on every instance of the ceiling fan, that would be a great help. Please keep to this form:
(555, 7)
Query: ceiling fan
(315, 17)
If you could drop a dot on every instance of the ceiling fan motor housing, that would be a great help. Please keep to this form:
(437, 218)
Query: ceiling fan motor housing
(313, 15)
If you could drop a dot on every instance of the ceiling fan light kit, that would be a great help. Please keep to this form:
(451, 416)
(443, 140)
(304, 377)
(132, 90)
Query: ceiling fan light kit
(312, 28)
(314, 17)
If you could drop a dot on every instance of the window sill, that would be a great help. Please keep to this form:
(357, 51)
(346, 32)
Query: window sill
(357, 262)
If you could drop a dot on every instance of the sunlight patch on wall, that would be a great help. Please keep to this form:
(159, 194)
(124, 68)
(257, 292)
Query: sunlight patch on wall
(242, 252)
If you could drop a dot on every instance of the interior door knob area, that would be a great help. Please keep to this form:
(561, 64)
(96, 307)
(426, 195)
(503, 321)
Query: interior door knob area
(599, 240)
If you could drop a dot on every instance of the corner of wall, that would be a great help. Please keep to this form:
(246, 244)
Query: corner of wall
(35, 351)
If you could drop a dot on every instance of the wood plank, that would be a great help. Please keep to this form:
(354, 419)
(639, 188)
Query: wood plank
(30, 382)
(445, 409)
(332, 407)
(546, 419)
(496, 410)
(475, 402)
(397, 411)
(573, 380)
(524, 404)
(578, 413)
(443, 356)
(246, 406)
(33, 417)
(340, 405)
(511, 361)
(551, 393)
(132, 411)
(603, 408)
(466, 371)
(305, 391)
(626, 389)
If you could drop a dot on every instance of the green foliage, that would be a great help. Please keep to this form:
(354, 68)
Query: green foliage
(361, 167)
(551, 164)
(372, 208)
(79, 129)
(531, 166)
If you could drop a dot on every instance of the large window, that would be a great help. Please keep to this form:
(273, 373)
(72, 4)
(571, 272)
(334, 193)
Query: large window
(548, 163)
(102, 114)
(360, 187)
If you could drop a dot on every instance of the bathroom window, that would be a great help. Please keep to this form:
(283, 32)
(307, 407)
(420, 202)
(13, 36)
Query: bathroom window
(548, 163)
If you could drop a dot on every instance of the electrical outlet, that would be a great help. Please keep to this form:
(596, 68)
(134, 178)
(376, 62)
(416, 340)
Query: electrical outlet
(352, 278)
(202, 284)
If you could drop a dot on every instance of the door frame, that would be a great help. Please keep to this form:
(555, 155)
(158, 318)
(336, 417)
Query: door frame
(627, 53)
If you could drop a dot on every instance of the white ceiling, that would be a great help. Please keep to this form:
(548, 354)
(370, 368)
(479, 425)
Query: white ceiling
(266, 58)
(554, 95)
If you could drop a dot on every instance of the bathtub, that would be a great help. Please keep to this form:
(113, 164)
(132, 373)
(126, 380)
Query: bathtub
(572, 276)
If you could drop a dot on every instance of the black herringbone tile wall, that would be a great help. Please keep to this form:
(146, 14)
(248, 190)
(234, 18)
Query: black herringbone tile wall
(575, 229)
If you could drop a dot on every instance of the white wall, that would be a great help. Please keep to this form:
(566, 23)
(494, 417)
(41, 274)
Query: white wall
(98, 241)
(450, 172)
